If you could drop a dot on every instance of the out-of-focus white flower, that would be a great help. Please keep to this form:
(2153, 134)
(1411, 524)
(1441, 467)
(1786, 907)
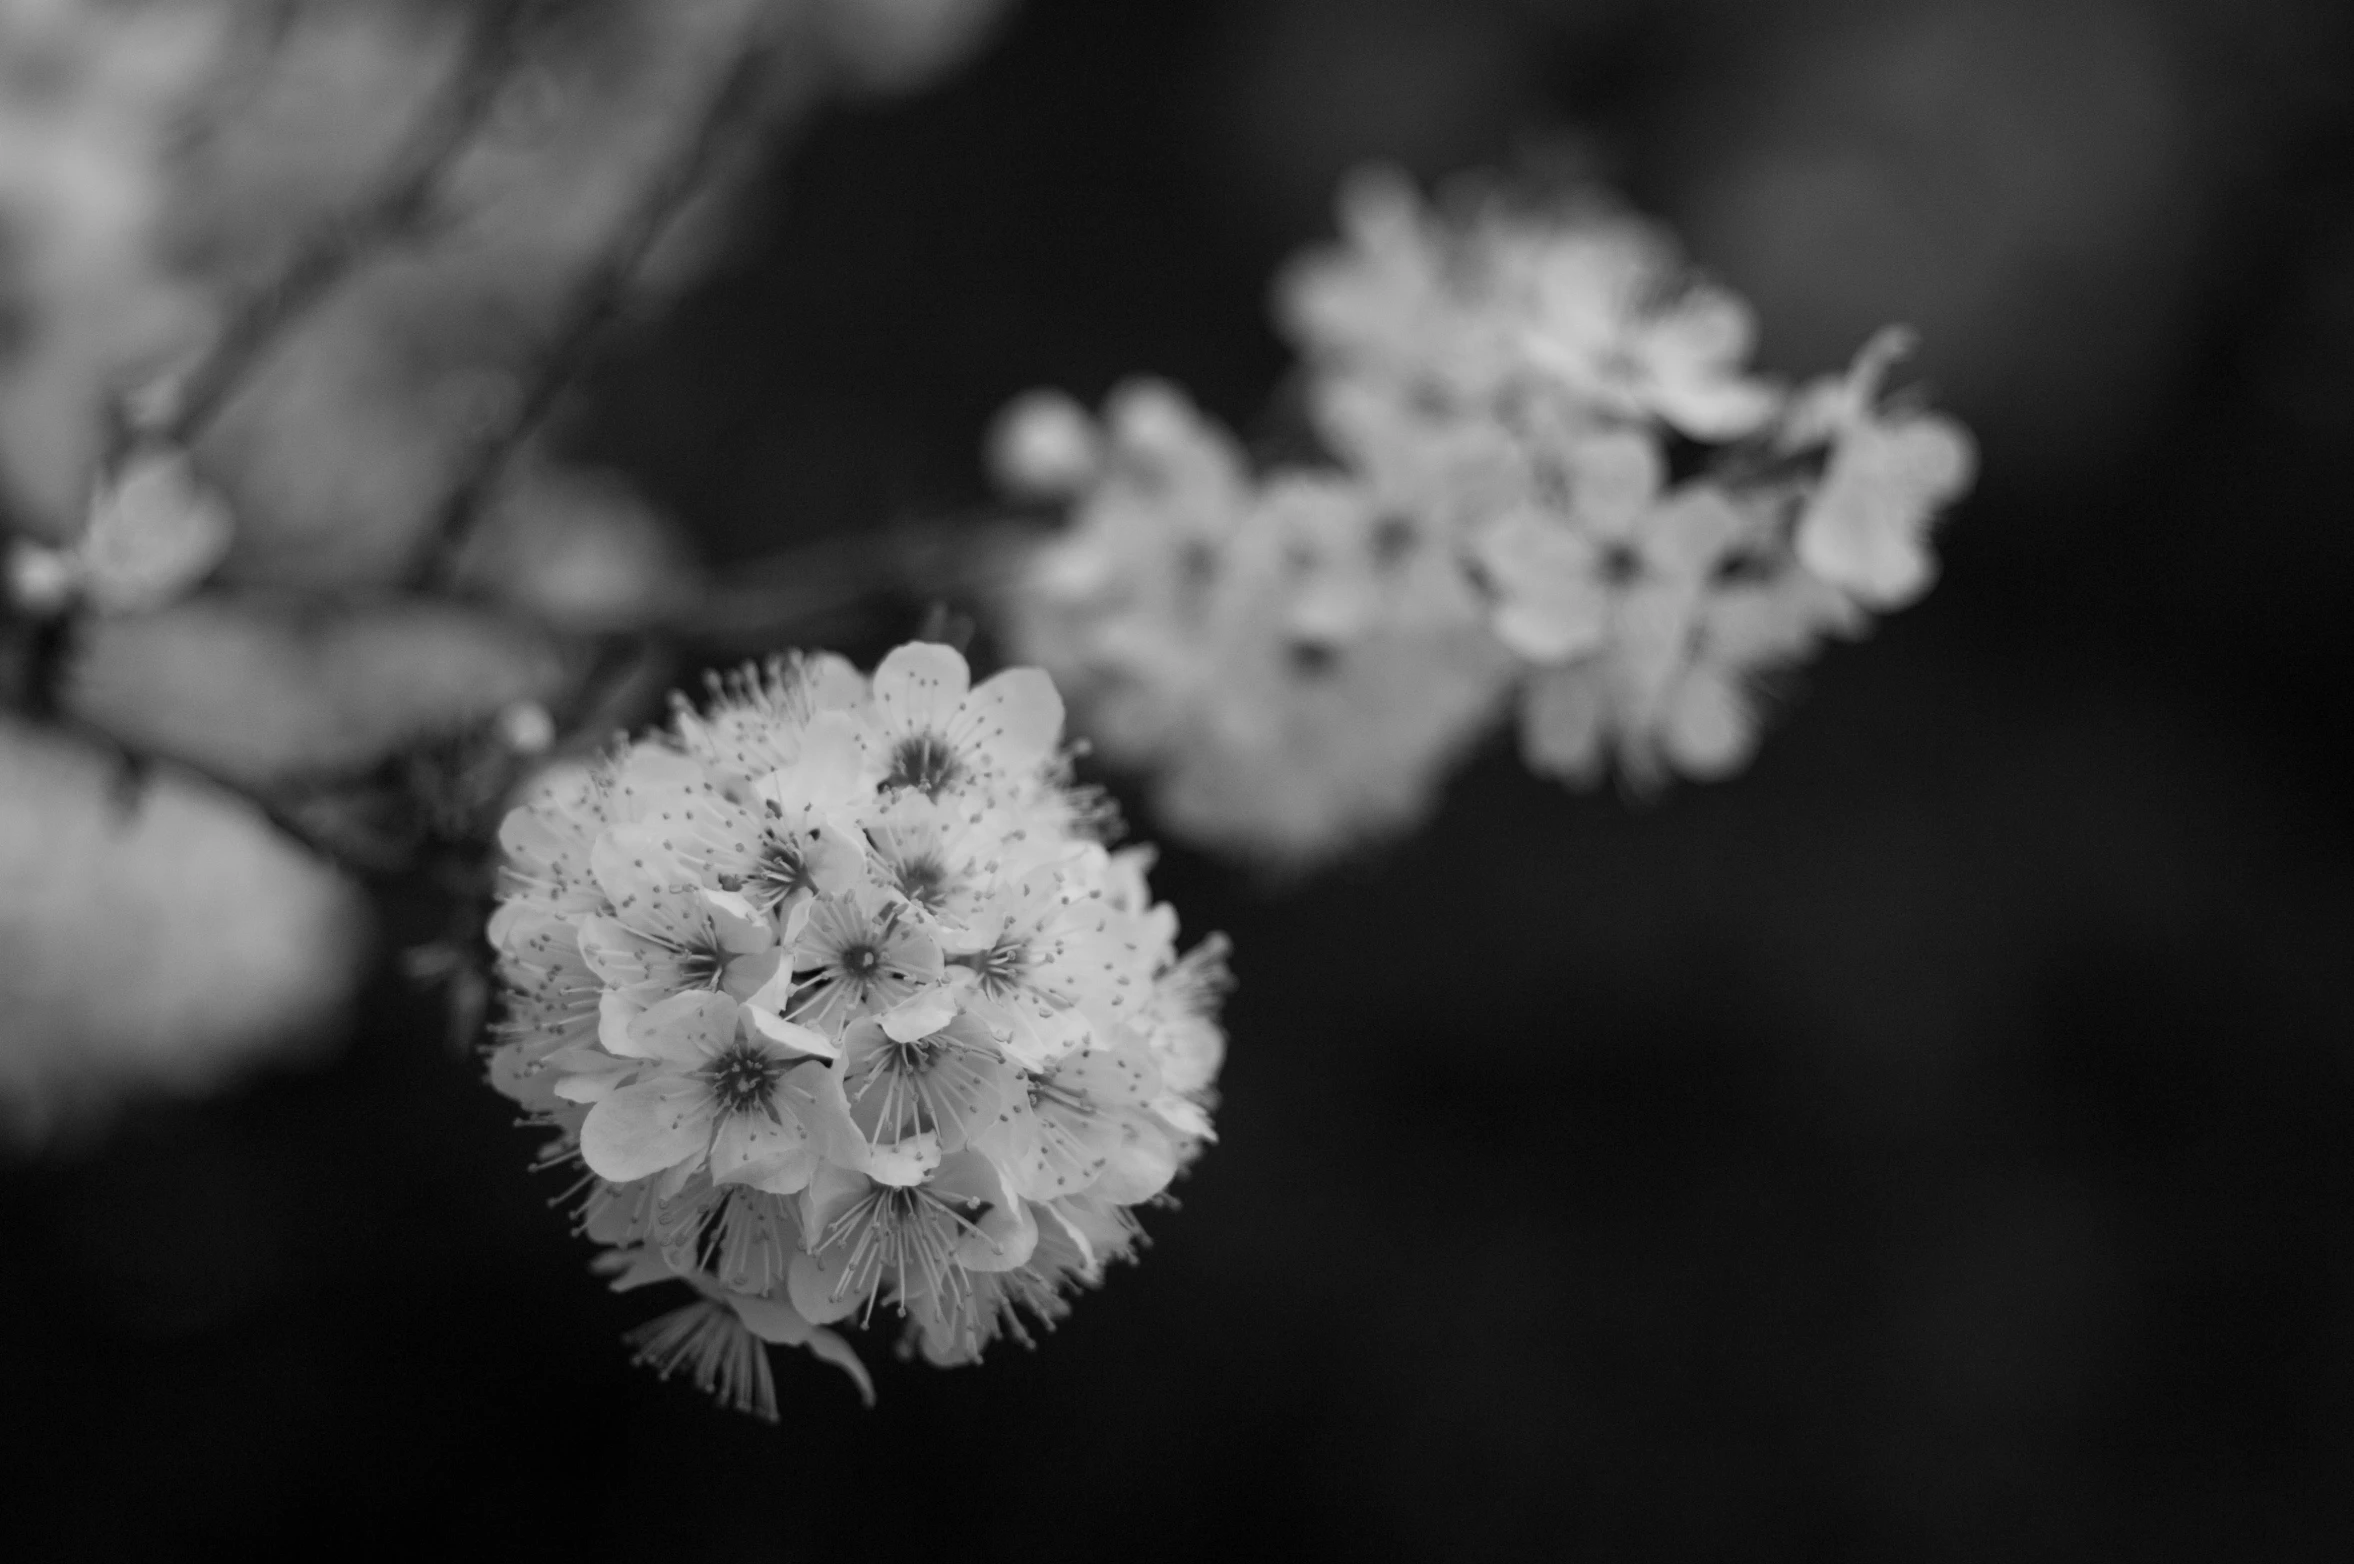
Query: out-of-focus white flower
(905, 45)
(1864, 528)
(152, 532)
(157, 940)
(41, 580)
(1044, 444)
(1293, 662)
(155, 531)
(1551, 469)
(841, 1010)
(1602, 333)
(1403, 298)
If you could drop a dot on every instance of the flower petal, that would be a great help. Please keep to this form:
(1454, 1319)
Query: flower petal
(831, 773)
(904, 1162)
(778, 1154)
(632, 864)
(1004, 1237)
(642, 1129)
(813, 1094)
(1122, 1077)
(815, 1286)
(918, 687)
(1866, 527)
(1140, 1166)
(740, 927)
(616, 1009)
(772, 1320)
(788, 1035)
(745, 976)
(684, 1029)
(1014, 718)
(781, 1323)
(920, 1015)
(590, 1088)
(621, 956)
(736, 908)
(1562, 722)
(1711, 723)
(833, 1191)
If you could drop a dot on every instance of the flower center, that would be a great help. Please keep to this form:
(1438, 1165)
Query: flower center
(742, 1079)
(860, 961)
(702, 966)
(925, 762)
(1001, 966)
(924, 881)
(783, 873)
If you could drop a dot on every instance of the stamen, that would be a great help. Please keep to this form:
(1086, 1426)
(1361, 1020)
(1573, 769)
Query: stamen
(899, 1230)
(743, 1078)
(924, 881)
(742, 1237)
(782, 874)
(925, 762)
(1001, 967)
(1046, 1090)
(708, 1342)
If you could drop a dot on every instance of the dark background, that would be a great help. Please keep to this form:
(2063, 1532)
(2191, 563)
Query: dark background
(1937, 1142)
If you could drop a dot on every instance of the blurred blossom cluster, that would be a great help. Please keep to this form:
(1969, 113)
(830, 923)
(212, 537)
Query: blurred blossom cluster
(1548, 478)
(838, 996)
(291, 296)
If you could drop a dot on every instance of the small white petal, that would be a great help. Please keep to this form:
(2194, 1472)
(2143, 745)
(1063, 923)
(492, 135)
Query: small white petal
(918, 687)
(590, 1088)
(643, 1129)
(920, 1015)
(789, 1035)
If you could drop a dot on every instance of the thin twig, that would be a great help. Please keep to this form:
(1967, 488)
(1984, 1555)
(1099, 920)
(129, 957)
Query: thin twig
(399, 204)
(603, 294)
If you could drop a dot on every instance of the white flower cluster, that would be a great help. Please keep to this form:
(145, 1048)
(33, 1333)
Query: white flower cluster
(1548, 476)
(842, 1003)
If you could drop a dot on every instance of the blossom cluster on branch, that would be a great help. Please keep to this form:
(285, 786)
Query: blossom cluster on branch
(1546, 476)
(840, 998)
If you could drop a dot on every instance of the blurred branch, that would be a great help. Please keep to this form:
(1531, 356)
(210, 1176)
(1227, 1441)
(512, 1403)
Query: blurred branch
(134, 770)
(260, 34)
(599, 299)
(398, 205)
(421, 812)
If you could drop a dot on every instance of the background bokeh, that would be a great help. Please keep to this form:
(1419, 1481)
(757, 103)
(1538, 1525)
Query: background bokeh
(1937, 1142)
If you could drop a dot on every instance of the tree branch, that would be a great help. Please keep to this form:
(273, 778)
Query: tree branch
(603, 293)
(398, 205)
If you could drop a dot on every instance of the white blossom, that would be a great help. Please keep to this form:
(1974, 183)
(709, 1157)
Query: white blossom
(842, 1014)
(1551, 476)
